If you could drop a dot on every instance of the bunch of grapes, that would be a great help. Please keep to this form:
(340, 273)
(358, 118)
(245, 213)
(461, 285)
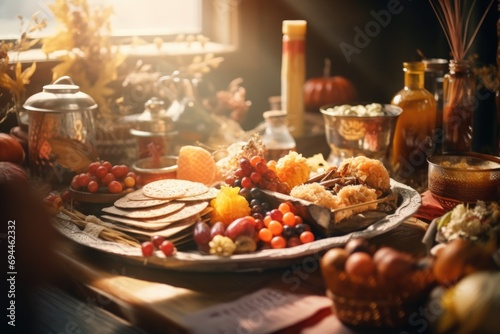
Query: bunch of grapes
(102, 176)
(255, 173)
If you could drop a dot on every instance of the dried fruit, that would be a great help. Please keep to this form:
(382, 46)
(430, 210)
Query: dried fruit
(229, 205)
(293, 169)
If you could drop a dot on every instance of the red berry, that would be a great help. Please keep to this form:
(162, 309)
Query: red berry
(101, 171)
(147, 248)
(276, 214)
(107, 165)
(93, 186)
(106, 179)
(167, 247)
(115, 187)
(83, 179)
(246, 182)
(91, 169)
(119, 171)
(157, 240)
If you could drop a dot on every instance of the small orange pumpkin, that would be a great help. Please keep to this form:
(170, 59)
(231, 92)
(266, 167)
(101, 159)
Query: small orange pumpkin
(328, 90)
(10, 149)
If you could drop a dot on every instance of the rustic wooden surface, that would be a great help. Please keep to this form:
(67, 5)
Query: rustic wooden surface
(154, 299)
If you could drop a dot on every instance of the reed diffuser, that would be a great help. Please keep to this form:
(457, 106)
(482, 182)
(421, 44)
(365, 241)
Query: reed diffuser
(459, 86)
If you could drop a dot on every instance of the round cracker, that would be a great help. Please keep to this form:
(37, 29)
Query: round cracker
(137, 195)
(210, 194)
(144, 213)
(126, 203)
(173, 188)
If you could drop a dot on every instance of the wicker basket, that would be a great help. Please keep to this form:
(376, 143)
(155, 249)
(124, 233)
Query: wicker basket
(368, 302)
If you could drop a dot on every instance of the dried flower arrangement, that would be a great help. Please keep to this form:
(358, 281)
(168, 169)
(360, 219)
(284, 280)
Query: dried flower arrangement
(456, 25)
(459, 85)
(13, 78)
(85, 50)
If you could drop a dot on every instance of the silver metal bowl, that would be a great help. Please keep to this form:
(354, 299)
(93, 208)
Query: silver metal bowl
(350, 135)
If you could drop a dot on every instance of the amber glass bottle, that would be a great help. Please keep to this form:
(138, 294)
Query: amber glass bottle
(459, 88)
(415, 135)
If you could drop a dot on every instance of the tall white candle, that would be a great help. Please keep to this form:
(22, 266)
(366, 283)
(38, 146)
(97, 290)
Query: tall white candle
(293, 73)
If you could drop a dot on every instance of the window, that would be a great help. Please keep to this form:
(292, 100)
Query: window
(215, 19)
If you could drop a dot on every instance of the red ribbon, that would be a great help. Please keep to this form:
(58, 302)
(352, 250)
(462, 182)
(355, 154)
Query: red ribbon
(294, 46)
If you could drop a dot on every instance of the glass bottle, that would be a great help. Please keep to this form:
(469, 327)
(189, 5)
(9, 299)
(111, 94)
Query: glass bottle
(293, 73)
(435, 69)
(276, 137)
(415, 133)
(459, 88)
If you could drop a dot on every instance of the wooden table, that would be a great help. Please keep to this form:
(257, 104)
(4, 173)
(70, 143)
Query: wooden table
(159, 299)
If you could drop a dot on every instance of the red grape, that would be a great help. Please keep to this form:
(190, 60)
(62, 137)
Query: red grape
(93, 167)
(101, 171)
(93, 186)
(167, 247)
(201, 234)
(246, 182)
(115, 187)
(157, 240)
(106, 179)
(276, 215)
(147, 248)
(119, 171)
(219, 228)
(83, 179)
(107, 165)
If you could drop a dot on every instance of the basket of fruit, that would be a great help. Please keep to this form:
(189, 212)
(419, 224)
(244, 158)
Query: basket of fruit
(375, 287)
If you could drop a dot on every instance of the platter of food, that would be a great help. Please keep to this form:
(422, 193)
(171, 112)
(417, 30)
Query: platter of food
(408, 201)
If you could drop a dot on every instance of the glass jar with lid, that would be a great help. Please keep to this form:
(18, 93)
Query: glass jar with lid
(61, 132)
(154, 130)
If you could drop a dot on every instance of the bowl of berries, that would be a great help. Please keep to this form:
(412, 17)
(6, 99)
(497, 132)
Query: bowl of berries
(103, 182)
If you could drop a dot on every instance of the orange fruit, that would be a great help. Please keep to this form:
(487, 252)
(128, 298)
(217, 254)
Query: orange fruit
(196, 164)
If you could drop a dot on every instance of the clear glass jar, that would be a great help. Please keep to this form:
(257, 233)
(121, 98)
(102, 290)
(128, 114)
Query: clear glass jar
(415, 135)
(276, 137)
(459, 88)
(435, 70)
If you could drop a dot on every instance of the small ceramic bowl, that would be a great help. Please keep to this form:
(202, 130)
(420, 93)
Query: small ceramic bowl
(464, 178)
(147, 171)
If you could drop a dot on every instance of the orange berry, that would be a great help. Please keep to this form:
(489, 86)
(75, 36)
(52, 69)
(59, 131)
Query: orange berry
(278, 242)
(298, 220)
(284, 207)
(275, 227)
(266, 220)
(289, 219)
(265, 235)
(256, 159)
(129, 182)
(306, 236)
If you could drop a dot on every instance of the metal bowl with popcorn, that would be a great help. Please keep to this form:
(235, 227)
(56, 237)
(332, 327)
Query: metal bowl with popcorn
(364, 129)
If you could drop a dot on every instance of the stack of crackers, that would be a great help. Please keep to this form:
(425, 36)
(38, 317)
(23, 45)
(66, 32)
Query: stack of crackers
(168, 208)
